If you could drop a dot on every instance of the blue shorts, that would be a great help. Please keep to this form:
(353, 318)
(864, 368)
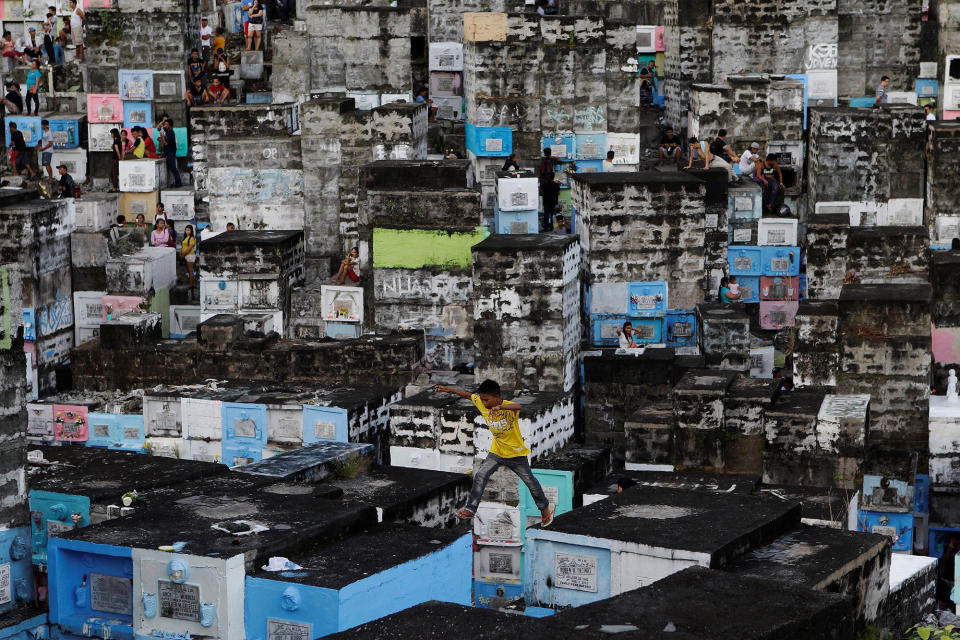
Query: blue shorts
(47, 158)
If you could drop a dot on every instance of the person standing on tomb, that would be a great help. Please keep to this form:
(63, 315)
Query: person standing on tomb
(22, 158)
(206, 37)
(141, 229)
(508, 448)
(77, 18)
(549, 189)
(188, 251)
(882, 96)
(170, 150)
(46, 148)
(116, 155)
(161, 235)
(33, 87)
(256, 25)
(646, 85)
(771, 179)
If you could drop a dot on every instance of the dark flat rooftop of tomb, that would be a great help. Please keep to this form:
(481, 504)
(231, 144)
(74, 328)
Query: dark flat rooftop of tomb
(810, 556)
(520, 241)
(106, 474)
(739, 608)
(295, 519)
(797, 403)
(439, 620)
(377, 549)
(572, 457)
(760, 388)
(394, 488)
(653, 413)
(10, 196)
(919, 292)
(697, 521)
(686, 480)
(244, 237)
(276, 393)
(705, 380)
(677, 178)
(817, 503)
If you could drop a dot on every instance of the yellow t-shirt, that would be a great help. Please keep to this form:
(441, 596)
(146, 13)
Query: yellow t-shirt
(507, 439)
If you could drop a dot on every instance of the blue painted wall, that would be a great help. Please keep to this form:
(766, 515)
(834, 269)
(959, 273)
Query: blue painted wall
(312, 414)
(52, 513)
(444, 575)
(124, 432)
(15, 551)
(539, 569)
(264, 600)
(73, 566)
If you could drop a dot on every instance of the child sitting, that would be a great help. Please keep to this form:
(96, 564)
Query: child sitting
(733, 286)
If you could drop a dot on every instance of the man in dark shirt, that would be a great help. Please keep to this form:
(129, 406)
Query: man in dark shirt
(170, 150)
(723, 156)
(19, 145)
(68, 187)
(13, 100)
(549, 189)
(670, 147)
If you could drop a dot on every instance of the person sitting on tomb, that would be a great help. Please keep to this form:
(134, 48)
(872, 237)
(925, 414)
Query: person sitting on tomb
(697, 151)
(348, 268)
(625, 336)
(196, 94)
(9, 48)
(727, 296)
(218, 92)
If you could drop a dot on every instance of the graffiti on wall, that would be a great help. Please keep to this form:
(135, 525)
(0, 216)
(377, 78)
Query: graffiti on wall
(256, 185)
(822, 56)
(56, 316)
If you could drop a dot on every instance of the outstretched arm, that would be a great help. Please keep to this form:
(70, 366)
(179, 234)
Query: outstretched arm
(456, 392)
(510, 406)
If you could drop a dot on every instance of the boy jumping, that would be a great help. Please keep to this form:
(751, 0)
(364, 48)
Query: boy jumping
(508, 449)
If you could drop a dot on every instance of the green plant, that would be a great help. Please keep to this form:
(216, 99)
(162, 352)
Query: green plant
(352, 467)
(919, 632)
(110, 30)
